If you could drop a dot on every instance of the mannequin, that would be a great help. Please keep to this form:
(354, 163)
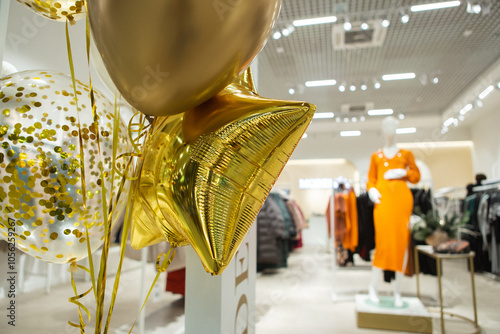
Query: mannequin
(390, 168)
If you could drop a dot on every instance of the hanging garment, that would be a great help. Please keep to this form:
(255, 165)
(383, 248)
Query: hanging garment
(366, 235)
(271, 230)
(392, 215)
(351, 235)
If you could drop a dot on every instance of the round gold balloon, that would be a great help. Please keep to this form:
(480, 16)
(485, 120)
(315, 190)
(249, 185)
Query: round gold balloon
(58, 10)
(168, 56)
(211, 187)
(42, 188)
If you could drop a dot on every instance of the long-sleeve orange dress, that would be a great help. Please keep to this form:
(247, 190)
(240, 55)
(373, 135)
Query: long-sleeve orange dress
(392, 215)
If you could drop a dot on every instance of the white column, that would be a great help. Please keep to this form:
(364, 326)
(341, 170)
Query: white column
(4, 19)
(225, 303)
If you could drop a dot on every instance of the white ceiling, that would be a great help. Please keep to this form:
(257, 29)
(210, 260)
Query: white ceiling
(457, 47)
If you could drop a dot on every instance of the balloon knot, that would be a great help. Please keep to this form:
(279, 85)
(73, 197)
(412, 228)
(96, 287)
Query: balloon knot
(73, 268)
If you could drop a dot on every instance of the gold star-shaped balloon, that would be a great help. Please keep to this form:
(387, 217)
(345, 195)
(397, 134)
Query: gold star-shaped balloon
(209, 170)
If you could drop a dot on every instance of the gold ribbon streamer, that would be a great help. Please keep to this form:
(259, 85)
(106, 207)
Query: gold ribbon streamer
(82, 157)
(75, 300)
(123, 245)
(169, 257)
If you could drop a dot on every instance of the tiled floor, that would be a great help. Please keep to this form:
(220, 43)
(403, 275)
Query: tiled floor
(293, 300)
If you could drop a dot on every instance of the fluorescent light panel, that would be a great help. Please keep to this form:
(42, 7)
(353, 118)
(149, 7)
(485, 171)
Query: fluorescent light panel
(323, 115)
(436, 5)
(319, 83)
(466, 109)
(398, 76)
(450, 121)
(402, 131)
(318, 20)
(380, 112)
(486, 92)
(350, 133)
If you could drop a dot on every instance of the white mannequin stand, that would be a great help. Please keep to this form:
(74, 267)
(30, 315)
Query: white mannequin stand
(389, 126)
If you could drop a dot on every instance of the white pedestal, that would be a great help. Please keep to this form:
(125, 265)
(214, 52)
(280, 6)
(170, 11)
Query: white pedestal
(412, 317)
(222, 304)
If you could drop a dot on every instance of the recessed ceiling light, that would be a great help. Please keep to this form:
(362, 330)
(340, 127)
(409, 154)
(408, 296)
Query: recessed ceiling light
(286, 32)
(337, 119)
(364, 87)
(466, 109)
(277, 35)
(486, 92)
(362, 118)
(498, 85)
(398, 76)
(346, 120)
(403, 131)
(436, 5)
(354, 119)
(435, 80)
(320, 115)
(461, 118)
(342, 88)
(347, 26)
(318, 20)
(405, 18)
(380, 112)
(352, 88)
(401, 116)
(291, 91)
(350, 133)
(386, 23)
(377, 85)
(319, 83)
(364, 26)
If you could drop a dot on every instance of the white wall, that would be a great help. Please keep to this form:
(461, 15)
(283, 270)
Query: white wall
(485, 133)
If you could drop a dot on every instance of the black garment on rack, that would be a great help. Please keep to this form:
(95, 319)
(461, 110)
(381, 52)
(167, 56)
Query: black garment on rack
(473, 235)
(422, 199)
(366, 227)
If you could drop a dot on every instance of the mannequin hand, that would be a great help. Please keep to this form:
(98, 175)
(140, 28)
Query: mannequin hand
(374, 195)
(394, 174)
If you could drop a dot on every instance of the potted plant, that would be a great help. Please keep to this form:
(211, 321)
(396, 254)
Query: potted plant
(434, 229)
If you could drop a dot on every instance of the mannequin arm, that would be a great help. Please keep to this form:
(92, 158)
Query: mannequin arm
(395, 174)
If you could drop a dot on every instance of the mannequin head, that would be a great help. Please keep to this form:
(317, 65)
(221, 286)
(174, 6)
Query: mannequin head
(389, 126)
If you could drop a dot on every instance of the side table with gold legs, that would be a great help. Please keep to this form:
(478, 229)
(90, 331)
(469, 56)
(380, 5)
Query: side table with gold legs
(428, 251)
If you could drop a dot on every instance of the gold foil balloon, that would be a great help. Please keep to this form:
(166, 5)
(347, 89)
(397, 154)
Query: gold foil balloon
(42, 206)
(58, 10)
(168, 56)
(214, 166)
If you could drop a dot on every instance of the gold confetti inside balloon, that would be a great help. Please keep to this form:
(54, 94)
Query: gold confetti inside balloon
(58, 10)
(42, 187)
(168, 56)
(216, 164)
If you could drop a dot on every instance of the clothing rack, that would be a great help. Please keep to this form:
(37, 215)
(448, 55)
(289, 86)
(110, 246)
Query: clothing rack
(487, 185)
(337, 295)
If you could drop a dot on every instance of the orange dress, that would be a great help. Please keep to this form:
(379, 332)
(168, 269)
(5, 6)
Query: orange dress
(392, 215)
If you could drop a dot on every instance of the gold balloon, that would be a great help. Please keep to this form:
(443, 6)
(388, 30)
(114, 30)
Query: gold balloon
(58, 10)
(42, 206)
(166, 57)
(216, 164)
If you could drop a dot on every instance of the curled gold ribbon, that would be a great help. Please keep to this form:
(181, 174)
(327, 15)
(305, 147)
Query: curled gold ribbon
(161, 267)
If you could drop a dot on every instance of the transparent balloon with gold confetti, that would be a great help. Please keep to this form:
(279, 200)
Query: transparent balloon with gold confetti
(57, 10)
(58, 187)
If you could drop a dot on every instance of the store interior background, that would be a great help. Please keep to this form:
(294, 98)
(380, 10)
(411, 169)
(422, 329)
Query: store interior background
(452, 157)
